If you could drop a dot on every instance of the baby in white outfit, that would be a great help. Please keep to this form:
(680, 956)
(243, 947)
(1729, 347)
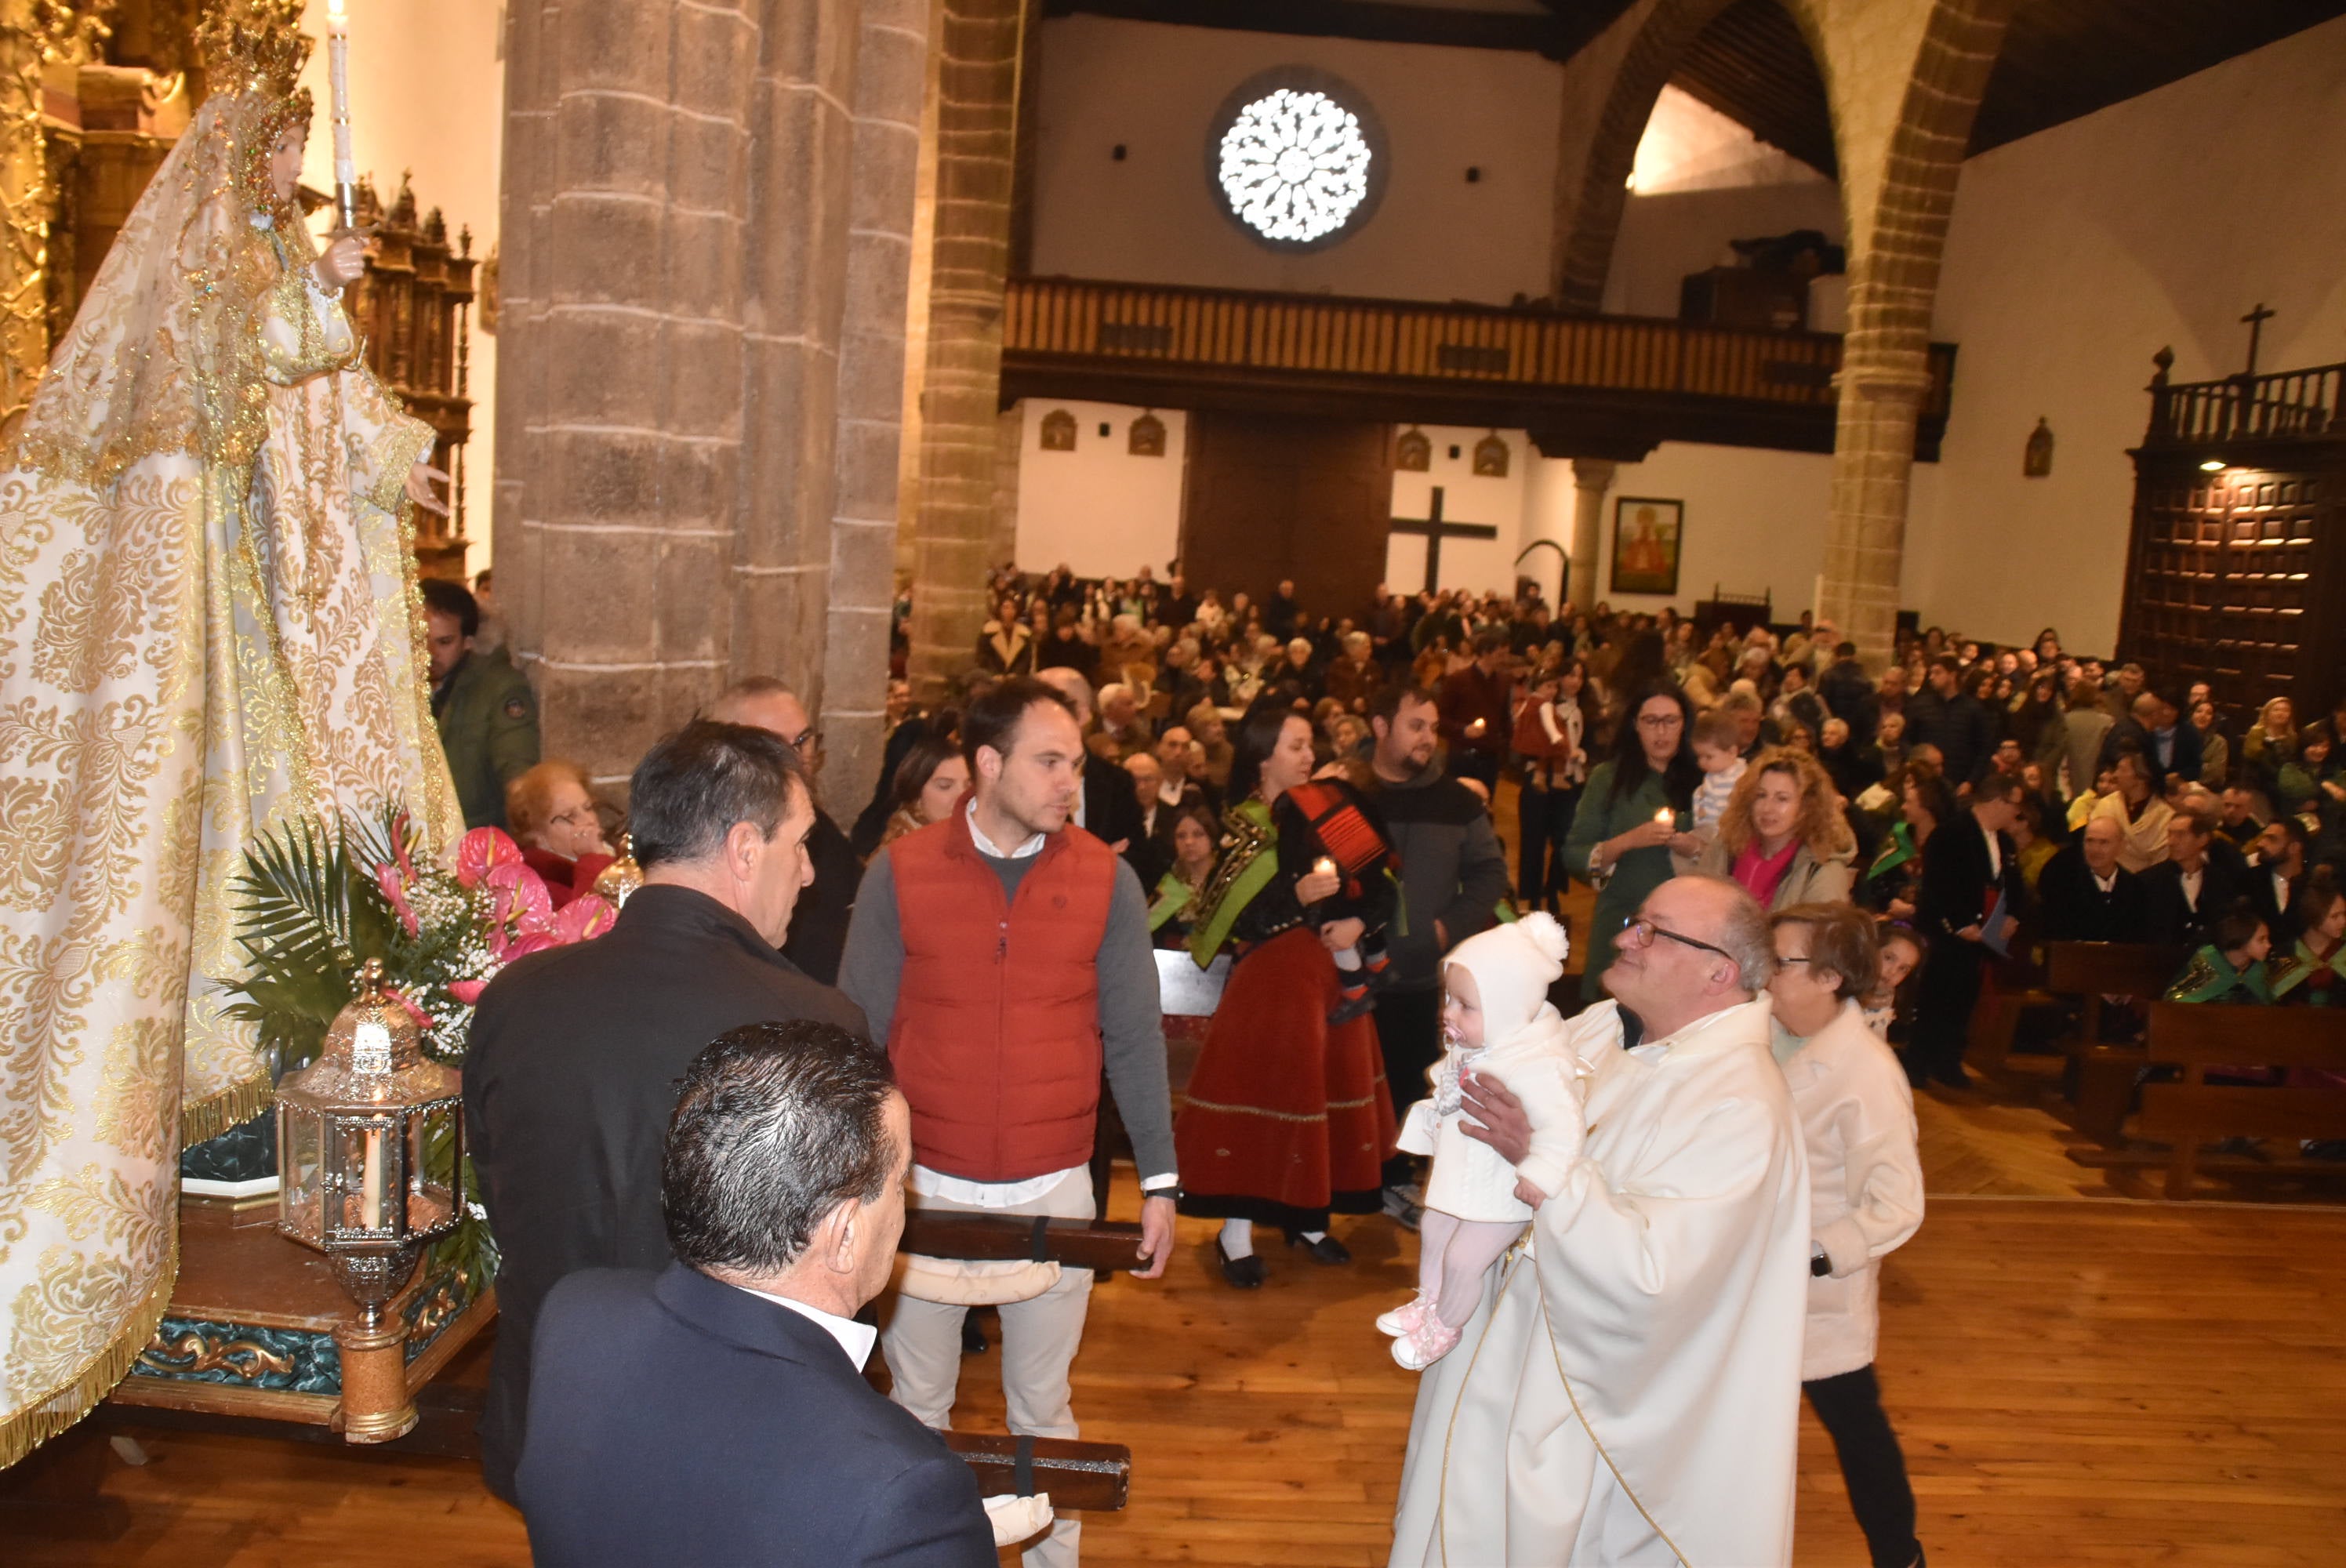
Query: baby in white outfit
(1496, 1023)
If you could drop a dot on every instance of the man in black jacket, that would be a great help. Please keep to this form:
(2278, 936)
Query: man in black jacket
(1454, 877)
(575, 1052)
(2084, 895)
(1970, 867)
(2195, 886)
(819, 932)
(1953, 720)
(1109, 811)
(717, 1412)
(1847, 694)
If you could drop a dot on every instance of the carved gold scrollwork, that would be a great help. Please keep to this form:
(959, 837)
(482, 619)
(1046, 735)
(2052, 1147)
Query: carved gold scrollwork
(193, 1353)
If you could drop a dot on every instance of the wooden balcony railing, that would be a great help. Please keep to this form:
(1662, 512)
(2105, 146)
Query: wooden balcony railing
(2284, 405)
(1139, 325)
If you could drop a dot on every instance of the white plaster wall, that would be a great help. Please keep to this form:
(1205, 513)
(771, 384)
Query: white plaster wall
(427, 94)
(1664, 238)
(1099, 509)
(2072, 256)
(1755, 522)
(1466, 497)
(1156, 217)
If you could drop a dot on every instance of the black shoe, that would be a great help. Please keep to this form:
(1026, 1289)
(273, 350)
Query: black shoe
(1244, 1273)
(1327, 1250)
(973, 1335)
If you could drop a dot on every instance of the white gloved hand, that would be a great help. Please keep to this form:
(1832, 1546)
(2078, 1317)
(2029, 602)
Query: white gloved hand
(1015, 1519)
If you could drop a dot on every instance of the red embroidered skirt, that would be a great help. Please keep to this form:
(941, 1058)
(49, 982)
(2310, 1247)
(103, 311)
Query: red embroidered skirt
(1287, 1118)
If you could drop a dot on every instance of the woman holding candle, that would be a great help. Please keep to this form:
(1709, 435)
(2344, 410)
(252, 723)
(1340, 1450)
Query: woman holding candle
(1288, 1118)
(1621, 835)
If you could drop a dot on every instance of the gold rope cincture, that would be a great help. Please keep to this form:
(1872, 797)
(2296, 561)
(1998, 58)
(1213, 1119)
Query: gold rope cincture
(1441, 1488)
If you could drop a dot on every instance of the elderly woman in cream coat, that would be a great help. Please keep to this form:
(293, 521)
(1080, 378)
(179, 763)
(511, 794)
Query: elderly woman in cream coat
(1782, 836)
(1865, 1193)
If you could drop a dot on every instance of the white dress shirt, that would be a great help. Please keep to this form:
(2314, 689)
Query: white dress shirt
(855, 1338)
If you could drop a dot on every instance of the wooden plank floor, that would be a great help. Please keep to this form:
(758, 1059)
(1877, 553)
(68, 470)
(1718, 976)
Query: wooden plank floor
(2076, 1382)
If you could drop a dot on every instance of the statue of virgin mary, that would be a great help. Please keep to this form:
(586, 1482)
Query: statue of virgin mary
(209, 625)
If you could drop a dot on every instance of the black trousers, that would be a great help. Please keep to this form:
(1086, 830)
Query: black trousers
(1408, 1030)
(1850, 1406)
(1944, 998)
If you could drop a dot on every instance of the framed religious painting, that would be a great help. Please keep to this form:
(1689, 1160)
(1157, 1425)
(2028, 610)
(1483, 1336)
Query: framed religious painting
(1648, 535)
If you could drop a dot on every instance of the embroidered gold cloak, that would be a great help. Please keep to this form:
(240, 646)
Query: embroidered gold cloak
(208, 625)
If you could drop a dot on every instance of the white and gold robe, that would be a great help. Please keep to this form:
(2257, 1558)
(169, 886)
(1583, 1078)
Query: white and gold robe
(1666, 1282)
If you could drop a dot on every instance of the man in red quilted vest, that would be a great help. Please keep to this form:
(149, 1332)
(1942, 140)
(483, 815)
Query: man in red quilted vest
(1005, 957)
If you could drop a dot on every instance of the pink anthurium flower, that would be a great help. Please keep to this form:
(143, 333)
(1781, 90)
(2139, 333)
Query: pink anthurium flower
(483, 850)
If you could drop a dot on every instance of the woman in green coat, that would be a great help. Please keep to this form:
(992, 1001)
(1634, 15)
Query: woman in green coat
(1635, 805)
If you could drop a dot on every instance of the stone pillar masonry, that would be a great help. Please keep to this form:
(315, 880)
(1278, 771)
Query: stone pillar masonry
(1592, 479)
(1009, 447)
(1894, 281)
(977, 113)
(892, 73)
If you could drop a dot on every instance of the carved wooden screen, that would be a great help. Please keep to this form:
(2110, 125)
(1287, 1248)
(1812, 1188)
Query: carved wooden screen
(2227, 578)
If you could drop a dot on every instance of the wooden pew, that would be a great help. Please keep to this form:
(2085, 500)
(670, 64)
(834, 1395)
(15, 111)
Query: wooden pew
(2099, 1080)
(2197, 1037)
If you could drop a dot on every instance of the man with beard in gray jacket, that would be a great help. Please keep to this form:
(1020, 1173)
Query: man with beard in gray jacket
(1454, 878)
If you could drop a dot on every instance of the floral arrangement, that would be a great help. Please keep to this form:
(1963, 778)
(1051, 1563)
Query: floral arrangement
(318, 900)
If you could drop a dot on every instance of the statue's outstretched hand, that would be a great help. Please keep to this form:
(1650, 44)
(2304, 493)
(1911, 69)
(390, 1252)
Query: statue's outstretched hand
(420, 479)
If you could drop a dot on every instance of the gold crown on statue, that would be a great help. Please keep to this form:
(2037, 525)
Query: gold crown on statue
(253, 46)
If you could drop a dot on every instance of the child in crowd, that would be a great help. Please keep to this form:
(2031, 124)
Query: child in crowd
(1900, 956)
(1716, 742)
(2231, 967)
(1496, 1023)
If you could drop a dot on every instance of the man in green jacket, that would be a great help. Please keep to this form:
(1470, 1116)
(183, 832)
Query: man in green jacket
(486, 712)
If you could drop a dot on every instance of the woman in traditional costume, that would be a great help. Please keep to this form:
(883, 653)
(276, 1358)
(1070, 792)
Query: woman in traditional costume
(2231, 967)
(1288, 1118)
(208, 628)
(1196, 846)
(2312, 973)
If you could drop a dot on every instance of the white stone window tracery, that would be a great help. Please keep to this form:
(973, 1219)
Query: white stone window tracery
(1295, 166)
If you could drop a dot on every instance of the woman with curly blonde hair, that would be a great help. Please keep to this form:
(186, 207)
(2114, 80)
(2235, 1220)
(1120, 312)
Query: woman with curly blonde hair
(1781, 835)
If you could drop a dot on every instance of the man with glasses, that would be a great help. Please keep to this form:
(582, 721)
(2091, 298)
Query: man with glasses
(1628, 1393)
(820, 933)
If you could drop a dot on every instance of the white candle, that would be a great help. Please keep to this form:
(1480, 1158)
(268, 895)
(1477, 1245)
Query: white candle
(1323, 867)
(1666, 817)
(338, 81)
(372, 1181)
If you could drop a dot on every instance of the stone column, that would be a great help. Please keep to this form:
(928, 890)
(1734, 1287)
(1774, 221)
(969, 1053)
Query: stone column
(1009, 449)
(892, 71)
(977, 115)
(706, 212)
(1904, 93)
(1591, 478)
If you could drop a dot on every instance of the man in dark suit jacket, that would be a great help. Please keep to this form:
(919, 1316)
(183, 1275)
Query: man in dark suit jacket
(1967, 866)
(2277, 876)
(575, 1052)
(819, 932)
(2084, 895)
(2194, 887)
(1110, 811)
(2153, 728)
(716, 1414)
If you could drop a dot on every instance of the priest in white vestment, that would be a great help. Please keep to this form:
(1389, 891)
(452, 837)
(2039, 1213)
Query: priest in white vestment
(1628, 1391)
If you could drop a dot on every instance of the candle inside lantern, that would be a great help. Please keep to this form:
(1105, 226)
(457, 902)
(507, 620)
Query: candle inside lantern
(338, 83)
(371, 1180)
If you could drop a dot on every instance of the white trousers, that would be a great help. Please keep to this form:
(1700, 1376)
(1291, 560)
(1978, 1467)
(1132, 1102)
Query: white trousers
(1039, 1340)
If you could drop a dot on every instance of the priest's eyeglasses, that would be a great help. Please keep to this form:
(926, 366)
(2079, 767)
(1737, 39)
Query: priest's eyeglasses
(1642, 932)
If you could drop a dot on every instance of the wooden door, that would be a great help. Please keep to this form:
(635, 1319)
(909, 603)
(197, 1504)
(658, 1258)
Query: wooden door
(1269, 496)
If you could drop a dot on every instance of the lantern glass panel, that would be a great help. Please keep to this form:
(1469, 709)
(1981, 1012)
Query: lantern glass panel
(433, 1150)
(370, 1149)
(302, 1162)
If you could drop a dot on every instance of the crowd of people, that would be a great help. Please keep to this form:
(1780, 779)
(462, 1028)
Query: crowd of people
(1306, 801)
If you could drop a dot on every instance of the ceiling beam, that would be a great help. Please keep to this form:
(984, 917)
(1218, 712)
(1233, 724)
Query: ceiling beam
(1376, 21)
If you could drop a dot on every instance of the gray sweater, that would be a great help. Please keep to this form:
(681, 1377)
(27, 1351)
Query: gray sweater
(1132, 1026)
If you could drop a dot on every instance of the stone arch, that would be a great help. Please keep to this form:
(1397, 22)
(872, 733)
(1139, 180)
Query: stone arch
(1589, 225)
